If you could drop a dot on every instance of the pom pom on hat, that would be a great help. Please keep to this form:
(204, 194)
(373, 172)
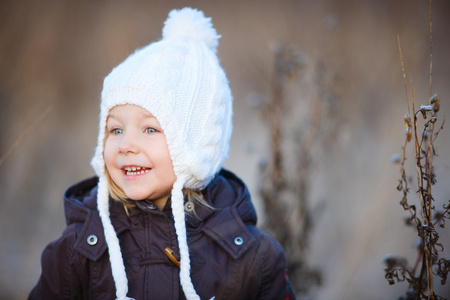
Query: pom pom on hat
(191, 23)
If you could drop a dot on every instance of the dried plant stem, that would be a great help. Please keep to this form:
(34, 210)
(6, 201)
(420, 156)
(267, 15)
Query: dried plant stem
(419, 174)
(428, 169)
(442, 216)
(429, 247)
(404, 183)
(276, 117)
(30, 129)
(430, 145)
(431, 47)
(403, 73)
(426, 215)
(283, 196)
(439, 130)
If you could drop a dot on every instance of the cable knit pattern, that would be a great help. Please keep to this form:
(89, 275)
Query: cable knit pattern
(178, 80)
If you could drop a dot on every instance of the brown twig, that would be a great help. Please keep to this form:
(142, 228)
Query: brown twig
(431, 47)
(403, 73)
(30, 128)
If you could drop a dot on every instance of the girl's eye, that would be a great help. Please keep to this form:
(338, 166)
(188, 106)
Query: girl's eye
(150, 130)
(117, 131)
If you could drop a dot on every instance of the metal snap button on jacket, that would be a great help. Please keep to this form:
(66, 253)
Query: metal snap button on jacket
(238, 240)
(92, 240)
(152, 206)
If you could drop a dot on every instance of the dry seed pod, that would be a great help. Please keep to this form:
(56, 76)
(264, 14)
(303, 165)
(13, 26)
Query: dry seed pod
(436, 102)
(434, 99)
(408, 134)
(436, 106)
(424, 108)
(408, 127)
(424, 113)
(407, 121)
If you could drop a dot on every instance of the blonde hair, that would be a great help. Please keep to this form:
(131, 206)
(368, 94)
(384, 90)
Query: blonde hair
(119, 195)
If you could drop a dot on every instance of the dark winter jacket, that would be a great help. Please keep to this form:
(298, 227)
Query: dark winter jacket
(230, 257)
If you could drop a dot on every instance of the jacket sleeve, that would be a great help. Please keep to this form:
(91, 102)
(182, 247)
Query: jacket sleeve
(57, 277)
(274, 283)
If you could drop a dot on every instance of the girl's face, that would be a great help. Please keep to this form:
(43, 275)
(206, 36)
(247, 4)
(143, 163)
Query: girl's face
(137, 156)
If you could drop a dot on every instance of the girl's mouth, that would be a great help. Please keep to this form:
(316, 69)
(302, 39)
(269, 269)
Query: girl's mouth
(135, 170)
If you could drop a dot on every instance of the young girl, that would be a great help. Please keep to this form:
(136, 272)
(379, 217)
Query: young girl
(162, 220)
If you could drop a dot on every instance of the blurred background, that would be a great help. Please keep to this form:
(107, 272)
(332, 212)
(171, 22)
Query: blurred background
(343, 102)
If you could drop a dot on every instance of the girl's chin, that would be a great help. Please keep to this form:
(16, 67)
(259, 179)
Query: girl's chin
(136, 197)
(140, 197)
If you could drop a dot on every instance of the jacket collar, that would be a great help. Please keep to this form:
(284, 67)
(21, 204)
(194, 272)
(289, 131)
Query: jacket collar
(227, 224)
(80, 206)
(233, 211)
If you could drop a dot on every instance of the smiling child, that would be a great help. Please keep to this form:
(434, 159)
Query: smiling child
(161, 219)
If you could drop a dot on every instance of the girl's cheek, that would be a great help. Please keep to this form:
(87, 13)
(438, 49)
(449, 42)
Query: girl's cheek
(108, 148)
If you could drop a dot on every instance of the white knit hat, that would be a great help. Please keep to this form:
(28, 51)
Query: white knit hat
(179, 81)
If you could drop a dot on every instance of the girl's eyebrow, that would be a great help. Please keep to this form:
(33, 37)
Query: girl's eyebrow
(111, 116)
(146, 115)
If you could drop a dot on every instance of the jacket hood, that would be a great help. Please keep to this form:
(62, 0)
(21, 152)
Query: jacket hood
(226, 191)
(80, 210)
(79, 199)
(233, 215)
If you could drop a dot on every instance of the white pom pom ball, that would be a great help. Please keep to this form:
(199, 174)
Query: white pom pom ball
(192, 24)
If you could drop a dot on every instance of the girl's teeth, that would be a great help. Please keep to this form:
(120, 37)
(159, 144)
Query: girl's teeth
(136, 171)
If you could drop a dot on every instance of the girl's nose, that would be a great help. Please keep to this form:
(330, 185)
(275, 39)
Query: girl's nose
(128, 144)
